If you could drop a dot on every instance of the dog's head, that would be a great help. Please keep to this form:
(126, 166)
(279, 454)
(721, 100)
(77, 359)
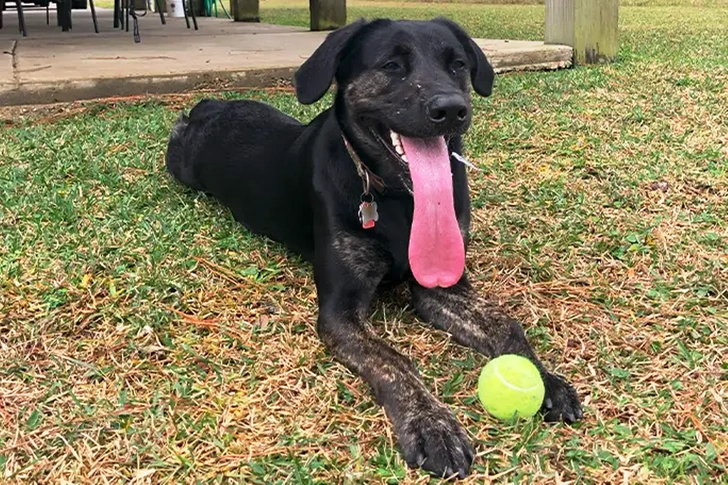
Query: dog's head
(398, 80)
(403, 91)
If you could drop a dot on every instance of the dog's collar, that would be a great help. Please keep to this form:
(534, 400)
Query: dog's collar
(368, 214)
(369, 179)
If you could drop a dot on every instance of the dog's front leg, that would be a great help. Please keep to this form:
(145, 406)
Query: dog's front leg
(347, 275)
(475, 323)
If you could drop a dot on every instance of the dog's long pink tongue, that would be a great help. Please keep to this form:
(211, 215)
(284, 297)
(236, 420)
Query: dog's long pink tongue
(436, 250)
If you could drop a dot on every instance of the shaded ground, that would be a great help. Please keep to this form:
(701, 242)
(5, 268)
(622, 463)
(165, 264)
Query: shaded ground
(49, 66)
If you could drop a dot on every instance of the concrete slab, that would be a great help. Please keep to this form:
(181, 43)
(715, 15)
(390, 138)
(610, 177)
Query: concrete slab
(162, 56)
(50, 65)
(518, 55)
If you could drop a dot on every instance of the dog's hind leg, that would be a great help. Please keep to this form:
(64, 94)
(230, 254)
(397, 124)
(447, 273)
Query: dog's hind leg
(475, 323)
(347, 274)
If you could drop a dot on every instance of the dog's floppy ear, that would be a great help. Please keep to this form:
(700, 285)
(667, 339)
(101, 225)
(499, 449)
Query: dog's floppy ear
(314, 77)
(481, 72)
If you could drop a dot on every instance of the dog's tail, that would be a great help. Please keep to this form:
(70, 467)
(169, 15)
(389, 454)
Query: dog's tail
(176, 160)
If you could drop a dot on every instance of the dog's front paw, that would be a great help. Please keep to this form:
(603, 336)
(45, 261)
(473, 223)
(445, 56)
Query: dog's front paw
(561, 403)
(430, 437)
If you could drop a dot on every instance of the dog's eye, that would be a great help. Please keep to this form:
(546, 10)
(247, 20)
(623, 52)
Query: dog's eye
(391, 66)
(458, 64)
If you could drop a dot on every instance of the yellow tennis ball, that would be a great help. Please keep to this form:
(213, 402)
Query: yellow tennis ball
(510, 386)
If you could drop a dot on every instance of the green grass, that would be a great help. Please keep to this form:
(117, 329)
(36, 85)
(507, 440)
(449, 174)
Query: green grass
(144, 334)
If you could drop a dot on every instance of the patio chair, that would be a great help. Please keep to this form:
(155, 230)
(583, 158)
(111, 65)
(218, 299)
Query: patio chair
(127, 8)
(188, 6)
(63, 14)
(21, 17)
(124, 7)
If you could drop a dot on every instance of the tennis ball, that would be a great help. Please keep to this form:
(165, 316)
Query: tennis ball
(510, 386)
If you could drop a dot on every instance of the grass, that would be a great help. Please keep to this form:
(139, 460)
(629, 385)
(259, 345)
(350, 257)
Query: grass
(145, 337)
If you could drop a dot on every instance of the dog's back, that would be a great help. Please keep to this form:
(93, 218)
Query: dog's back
(184, 144)
(227, 137)
(244, 154)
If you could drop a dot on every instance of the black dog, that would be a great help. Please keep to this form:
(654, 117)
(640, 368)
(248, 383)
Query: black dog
(371, 193)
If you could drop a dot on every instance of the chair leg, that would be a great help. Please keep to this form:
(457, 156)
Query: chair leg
(184, 11)
(93, 15)
(21, 18)
(48, 13)
(159, 10)
(63, 15)
(192, 11)
(127, 14)
(117, 9)
(2, 7)
(70, 22)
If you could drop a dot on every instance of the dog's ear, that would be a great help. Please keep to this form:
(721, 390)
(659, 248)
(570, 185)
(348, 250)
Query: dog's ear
(481, 72)
(314, 77)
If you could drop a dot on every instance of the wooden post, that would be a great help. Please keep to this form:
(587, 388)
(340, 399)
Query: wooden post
(245, 10)
(327, 14)
(589, 26)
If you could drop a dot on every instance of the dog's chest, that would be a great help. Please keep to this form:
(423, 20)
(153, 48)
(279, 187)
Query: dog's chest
(393, 226)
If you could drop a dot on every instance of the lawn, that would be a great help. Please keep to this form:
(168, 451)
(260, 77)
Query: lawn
(144, 335)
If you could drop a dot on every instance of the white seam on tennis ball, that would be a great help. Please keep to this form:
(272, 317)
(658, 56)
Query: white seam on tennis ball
(508, 384)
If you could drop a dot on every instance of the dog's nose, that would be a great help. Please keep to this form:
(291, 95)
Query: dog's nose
(447, 109)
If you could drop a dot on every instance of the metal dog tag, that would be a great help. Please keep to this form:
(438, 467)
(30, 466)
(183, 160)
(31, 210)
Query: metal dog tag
(368, 214)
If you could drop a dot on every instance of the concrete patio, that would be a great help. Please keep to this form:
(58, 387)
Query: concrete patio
(50, 65)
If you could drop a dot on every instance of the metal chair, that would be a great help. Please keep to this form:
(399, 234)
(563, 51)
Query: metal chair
(127, 8)
(21, 17)
(122, 7)
(63, 11)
